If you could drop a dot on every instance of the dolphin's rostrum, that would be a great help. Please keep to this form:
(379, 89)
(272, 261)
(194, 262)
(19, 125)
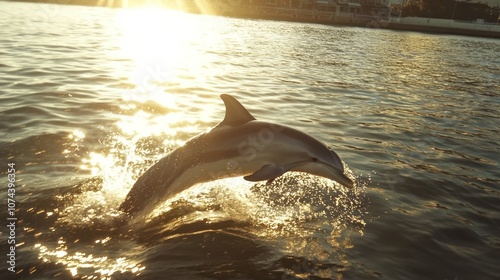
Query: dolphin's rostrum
(238, 146)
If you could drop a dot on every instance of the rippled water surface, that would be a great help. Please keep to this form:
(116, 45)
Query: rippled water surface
(91, 97)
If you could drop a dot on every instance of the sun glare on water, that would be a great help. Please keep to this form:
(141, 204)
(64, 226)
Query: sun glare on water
(159, 43)
(161, 46)
(155, 32)
(164, 46)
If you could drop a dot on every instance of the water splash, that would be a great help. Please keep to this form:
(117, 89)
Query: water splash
(305, 220)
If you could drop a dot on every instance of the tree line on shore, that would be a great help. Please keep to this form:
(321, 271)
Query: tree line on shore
(451, 9)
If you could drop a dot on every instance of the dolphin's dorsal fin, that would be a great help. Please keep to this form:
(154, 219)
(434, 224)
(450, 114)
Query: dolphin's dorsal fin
(236, 114)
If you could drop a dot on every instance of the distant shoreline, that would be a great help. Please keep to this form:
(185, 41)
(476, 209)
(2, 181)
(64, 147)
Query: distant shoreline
(444, 26)
(426, 25)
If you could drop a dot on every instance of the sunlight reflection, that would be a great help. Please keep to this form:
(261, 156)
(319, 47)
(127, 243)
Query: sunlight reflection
(75, 141)
(143, 124)
(158, 41)
(79, 264)
(142, 138)
(97, 162)
(77, 135)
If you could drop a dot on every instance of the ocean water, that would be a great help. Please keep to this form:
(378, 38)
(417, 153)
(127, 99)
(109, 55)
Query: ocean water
(91, 97)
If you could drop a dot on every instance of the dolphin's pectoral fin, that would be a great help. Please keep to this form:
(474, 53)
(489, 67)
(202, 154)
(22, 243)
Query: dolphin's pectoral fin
(267, 172)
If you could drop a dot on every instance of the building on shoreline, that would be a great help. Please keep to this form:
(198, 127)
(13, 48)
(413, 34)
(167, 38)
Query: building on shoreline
(350, 12)
(361, 13)
(338, 7)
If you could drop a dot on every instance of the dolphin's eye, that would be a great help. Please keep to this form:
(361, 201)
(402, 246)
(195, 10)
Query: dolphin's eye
(314, 159)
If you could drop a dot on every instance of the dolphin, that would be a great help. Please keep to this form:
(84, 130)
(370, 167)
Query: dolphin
(238, 146)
